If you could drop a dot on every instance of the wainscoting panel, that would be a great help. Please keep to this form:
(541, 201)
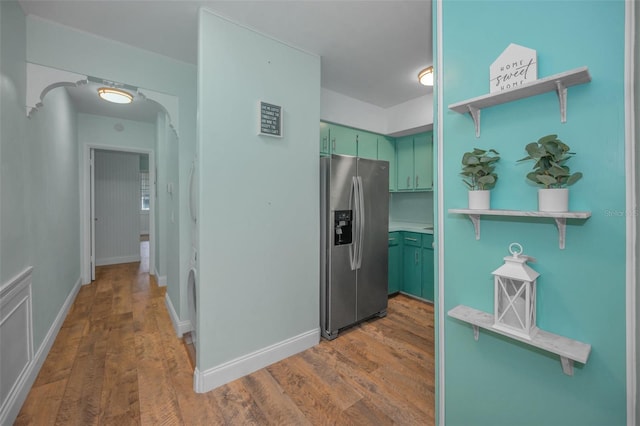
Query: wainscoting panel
(16, 334)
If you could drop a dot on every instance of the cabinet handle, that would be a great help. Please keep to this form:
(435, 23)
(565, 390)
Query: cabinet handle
(324, 143)
(392, 239)
(411, 239)
(334, 143)
(417, 184)
(416, 257)
(408, 180)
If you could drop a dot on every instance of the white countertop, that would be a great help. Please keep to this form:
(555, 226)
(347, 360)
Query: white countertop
(423, 228)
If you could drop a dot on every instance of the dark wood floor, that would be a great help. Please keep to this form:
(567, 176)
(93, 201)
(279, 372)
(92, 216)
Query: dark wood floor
(116, 360)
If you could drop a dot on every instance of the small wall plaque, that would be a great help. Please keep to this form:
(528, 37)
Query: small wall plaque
(516, 66)
(270, 120)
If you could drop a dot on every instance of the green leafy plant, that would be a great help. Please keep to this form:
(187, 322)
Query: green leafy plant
(550, 169)
(478, 169)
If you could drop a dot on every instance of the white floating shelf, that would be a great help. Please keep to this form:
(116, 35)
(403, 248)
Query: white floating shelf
(569, 350)
(559, 217)
(557, 83)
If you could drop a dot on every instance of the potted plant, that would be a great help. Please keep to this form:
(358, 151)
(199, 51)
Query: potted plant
(552, 172)
(478, 169)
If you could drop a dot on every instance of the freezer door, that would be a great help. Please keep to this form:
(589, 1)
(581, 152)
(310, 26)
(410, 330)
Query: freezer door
(372, 293)
(341, 288)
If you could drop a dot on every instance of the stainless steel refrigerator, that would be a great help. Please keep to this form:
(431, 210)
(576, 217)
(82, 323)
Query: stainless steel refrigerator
(354, 226)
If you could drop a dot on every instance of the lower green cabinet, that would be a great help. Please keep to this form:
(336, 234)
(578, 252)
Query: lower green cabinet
(412, 263)
(395, 262)
(427, 268)
(411, 269)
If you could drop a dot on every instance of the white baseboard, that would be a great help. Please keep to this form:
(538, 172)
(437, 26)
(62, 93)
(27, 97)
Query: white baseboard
(117, 260)
(15, 401)
(179, 325)
(160, 279)
(207, 380)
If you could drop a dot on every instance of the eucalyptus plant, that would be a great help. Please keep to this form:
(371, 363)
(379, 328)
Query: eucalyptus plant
(550, 169)
(478, 169)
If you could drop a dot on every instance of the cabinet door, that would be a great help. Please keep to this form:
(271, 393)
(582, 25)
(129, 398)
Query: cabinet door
(404, 152)
(395, 262)
(367, 145)
(343, 140)
(387, 152)
(324, 138)
(423, 160)
(411, 280)
(427, 268)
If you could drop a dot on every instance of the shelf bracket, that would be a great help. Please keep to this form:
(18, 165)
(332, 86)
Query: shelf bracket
(567, 365)
(561, 223)
(476, 332)
(475, 115)
(475, 219)
(561, 90)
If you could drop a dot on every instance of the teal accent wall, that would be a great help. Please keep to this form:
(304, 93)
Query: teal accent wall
(581, 290)
(258, 215)
(39, 183)
(61, 47)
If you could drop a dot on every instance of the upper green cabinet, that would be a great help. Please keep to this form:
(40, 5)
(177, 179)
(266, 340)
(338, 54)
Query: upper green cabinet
(343, 140)
(415, 162)
(367, 145)
(325, 147)
(387, 152)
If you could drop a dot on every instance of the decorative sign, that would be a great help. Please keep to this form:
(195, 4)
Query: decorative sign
(516, 66)
(270, 120)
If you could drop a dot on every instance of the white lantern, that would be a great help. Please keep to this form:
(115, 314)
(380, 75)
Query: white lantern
(515, 295)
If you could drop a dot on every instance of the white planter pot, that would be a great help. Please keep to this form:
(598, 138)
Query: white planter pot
(553, 200)
(480, 199)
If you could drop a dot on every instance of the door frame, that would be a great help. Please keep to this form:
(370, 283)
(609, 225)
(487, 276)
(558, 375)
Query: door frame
(86, 208)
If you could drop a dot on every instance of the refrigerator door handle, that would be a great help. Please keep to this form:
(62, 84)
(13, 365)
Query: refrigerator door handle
(354, 195)
(360, 223)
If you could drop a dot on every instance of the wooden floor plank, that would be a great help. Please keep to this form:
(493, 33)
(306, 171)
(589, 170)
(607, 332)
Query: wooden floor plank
(117, 360)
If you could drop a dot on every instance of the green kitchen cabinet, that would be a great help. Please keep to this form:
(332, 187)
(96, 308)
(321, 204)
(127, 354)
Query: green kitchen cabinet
(415, 162)
(423, 161)
(427, 268)
(343, 140)
(367, 145)
(404, 156)
(395, 262)
(387, 152)
(412, 263)
(325, 148)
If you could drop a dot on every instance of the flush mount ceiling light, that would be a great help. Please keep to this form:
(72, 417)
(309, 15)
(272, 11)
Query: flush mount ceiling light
(116, 96)
(425, 77)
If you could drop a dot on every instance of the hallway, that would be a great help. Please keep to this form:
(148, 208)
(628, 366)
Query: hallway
(117, 360)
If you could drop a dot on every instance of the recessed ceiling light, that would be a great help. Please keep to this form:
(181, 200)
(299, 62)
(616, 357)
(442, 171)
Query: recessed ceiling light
(425, 77)
(116, 96)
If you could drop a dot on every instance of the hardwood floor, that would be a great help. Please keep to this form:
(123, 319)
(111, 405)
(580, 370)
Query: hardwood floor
(116, 360)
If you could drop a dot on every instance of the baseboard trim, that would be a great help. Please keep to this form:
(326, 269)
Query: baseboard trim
(15, 401)
(161, 279)
(179, 325)
(117, 260)
(207, 380)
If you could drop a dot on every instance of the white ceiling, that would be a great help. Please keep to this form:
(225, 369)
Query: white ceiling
(371, 50)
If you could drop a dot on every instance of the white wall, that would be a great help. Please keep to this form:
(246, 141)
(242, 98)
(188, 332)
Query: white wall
(117, 207)
(413, 116)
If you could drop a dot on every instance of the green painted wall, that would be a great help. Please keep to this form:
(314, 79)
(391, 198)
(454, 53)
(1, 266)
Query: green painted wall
(581, 291)
(39, 183)
(637, 212)
(14, 201)
(259, 196)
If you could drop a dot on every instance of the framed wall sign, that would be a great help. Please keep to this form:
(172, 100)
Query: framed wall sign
(270, 118)
(515, 67)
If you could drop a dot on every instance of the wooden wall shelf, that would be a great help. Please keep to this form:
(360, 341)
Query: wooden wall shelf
(569, 350)
(559, 217)
(557, 82)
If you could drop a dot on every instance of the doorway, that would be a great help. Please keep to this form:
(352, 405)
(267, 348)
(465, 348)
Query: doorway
(109, 226)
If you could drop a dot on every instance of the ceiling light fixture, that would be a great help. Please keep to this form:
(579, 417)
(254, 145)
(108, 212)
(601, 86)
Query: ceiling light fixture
(116, 96)
(425, 77)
